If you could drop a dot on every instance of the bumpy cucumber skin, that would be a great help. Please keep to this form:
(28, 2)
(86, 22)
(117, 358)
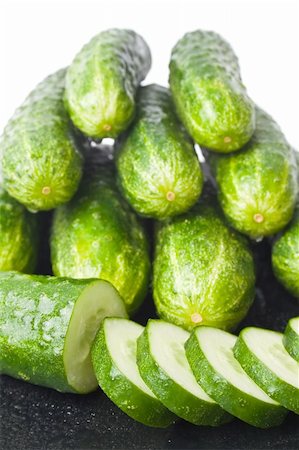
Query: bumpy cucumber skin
(259, 180)
(126, 395)
(101, 82)
(35, 314)
(41, 165)
(291, 339)
(285, 256)
(157, 159)
(181, 402)
(239, 404)
(202, 267)
(97, 235)
(210, 97)
(282, 392)
(19, 236)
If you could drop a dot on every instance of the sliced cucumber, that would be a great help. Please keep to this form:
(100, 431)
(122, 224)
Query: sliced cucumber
(47, 326)
(262, 355)
(165, 369)
(210, 354)
(114, 362)
(291, 338)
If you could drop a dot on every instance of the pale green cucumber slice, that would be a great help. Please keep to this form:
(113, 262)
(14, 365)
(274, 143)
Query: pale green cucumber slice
(165, 369)
(262, 355)
(114, 362)
(291, 338)
(210, 354)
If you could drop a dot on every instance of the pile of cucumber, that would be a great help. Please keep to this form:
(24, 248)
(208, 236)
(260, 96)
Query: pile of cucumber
(116, 167)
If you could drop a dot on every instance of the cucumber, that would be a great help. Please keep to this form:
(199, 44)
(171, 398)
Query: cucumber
(203, 270)
(164, 368)
(262, 355)
(114, 362)
(104, 238)
(47, 326)
(291, 338)
(41, 165)
(102, 80)
(19, 235)
(209, 95)
(158, 170)
(210, 354)
(258, 186)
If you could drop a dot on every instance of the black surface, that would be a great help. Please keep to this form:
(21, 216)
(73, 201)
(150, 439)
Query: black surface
(38, 418)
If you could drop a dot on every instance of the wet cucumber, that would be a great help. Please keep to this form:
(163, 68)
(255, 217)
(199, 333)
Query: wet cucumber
(19, 235)
(97, 235)
(47, 326)
(102, 80)
(258, 185)
(114, 362)
(291, 338)
(210, 354)
(209, 95)
(41, 165)
(165, 369)
(158, 169)
(262, 355)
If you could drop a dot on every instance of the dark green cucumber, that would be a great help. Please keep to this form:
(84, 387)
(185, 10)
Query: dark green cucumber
(210, 97)
(102, 80)
(262, 355)
(158, 169)
(19, 235)
(210, 354)
(203, 271)
(291, 338)
(165, 369)
(47, 326)
(258, 186)
(114, 362)
(41, 165)
(97, 235)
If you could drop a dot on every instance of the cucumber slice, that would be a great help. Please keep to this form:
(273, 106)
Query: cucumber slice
(47, 326)
(262, 355)
(165, 369)
(114, 362)
(291, 338)
(210, 354)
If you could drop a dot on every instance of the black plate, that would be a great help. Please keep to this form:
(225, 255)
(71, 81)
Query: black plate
(38, 418)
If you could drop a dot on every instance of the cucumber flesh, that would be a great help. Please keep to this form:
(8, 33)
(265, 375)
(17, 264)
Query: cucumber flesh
(263, 356)
(291, 338)
(165, 369)
(210, 354)
(115, 365)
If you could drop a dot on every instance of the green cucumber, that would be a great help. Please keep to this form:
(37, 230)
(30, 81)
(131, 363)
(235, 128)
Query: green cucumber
(291, 338)
(209, 95)
(19, 235)
(47, 326)
(41, 165)
(104, 238)
(210, 354)
(262, 355)
(165, 369)
(102, 80)
(258, 185)
(114, 362)
(203, 271)
(159, 172)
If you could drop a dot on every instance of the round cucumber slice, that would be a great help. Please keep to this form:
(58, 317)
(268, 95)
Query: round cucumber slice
(114, 362)
(165, 369)
(262, 355)
(210, 354)
(291, 338)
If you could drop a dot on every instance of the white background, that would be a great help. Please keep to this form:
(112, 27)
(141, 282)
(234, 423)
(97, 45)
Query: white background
(39, 37)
